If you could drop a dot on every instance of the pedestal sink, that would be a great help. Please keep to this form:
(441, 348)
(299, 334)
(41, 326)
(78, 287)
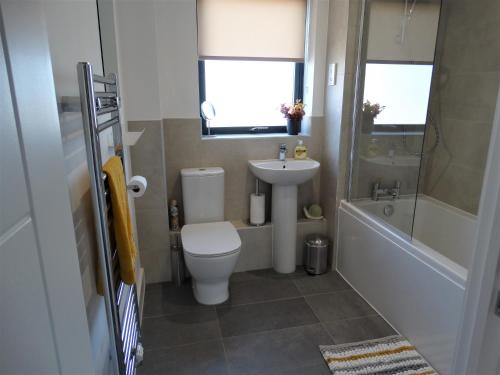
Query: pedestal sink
(285, 176)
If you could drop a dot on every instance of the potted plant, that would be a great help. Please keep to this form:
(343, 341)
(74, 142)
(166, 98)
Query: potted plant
(293, 113)
(370, 112)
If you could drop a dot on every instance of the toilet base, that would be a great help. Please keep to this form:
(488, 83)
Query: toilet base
(210, 293)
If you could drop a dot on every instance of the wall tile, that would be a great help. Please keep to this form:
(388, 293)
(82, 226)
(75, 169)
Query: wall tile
(147, 161)
(463, 102)
(184, 148)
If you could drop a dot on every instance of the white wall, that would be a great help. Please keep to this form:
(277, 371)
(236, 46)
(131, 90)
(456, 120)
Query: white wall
(158, 56)
(138, 59)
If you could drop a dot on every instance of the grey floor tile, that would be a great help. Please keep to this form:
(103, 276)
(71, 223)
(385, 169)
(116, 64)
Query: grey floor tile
(319, 369)
(205, 358)
(244, 319)
(266, 289)
(326, 283)
(272, 351)
(180, 329)
(257, 275)
(339, 305)
(359, 329)
(165, 298)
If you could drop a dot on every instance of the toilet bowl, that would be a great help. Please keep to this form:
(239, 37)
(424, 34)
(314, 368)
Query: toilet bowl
(211, 251)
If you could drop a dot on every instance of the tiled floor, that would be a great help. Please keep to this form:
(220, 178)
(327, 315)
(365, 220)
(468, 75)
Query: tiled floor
(272, 325)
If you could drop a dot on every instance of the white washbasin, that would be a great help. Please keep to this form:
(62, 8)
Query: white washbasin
(289, 172)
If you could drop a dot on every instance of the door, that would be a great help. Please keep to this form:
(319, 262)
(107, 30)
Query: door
(43, 325)
(479, 337)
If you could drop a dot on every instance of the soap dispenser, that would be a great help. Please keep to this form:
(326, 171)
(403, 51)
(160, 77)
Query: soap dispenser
(300, 150)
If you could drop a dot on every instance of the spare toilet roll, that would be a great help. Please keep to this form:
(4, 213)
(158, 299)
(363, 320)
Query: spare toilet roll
(257, 209)
(138, 186)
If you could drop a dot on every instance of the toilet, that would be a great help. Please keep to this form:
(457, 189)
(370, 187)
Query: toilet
(211, 245)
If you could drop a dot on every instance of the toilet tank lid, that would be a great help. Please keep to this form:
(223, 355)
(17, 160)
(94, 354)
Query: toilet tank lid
(212, 171)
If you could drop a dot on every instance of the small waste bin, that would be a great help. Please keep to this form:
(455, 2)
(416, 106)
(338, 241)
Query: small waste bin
(316, 254)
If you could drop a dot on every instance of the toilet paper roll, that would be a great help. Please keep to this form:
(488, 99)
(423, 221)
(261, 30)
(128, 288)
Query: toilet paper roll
(257, 209)
(137, 186)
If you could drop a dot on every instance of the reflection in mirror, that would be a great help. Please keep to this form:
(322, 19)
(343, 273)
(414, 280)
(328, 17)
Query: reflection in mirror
(402, 90)
(396, 63)
(393, 85)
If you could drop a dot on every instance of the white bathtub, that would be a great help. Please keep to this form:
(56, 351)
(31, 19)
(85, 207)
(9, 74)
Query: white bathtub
(416, 284)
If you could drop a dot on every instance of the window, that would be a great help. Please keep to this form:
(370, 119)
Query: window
(247, 95)
(251, 60)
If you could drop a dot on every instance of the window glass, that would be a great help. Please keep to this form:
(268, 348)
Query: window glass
(248, 93)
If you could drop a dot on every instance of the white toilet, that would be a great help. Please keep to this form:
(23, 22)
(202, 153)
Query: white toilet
(211, 245)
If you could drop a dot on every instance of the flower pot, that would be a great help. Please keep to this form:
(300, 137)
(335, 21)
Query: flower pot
(367, 122)
(293, 126)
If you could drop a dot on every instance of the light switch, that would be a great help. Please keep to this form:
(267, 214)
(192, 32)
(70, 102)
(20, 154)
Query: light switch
(332, 74)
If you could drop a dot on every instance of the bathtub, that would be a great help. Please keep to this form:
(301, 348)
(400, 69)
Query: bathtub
(417, 284)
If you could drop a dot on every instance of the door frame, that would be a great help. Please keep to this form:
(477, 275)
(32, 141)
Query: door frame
(481, 291)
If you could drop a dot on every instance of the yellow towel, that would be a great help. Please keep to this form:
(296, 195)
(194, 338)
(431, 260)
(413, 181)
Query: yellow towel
(122, 224)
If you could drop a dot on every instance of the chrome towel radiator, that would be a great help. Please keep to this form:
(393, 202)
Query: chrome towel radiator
(122, 308)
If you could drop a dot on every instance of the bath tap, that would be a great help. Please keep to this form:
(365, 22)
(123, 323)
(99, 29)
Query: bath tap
(283, 151)
(379, 192)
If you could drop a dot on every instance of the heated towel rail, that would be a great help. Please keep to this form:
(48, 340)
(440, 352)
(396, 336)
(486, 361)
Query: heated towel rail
(100, 111)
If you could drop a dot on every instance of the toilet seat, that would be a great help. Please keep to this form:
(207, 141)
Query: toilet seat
(209, 240)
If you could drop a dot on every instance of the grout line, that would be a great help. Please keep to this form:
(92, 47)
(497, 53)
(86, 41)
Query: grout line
(218, 307)
(271, 330)
(320, 321)
(162, 347)
(196, 310)
(223, 345)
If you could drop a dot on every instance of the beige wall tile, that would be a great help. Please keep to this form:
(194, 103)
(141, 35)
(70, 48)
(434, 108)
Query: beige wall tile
(147, 161)
(463, 102)
(184, 148)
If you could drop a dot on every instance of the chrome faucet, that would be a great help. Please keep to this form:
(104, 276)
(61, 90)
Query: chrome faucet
(283, 151)
(379, 192)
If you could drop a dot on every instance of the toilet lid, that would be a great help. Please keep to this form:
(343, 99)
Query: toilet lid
(210, 239)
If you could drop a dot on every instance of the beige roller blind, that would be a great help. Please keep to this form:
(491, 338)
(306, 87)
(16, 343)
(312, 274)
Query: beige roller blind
(251, 29)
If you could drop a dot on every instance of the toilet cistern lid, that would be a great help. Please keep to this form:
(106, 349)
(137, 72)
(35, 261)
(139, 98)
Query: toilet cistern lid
(210, 239)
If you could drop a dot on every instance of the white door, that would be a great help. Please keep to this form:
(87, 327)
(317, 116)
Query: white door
(43, 326)
(489, 361)
(478, 345)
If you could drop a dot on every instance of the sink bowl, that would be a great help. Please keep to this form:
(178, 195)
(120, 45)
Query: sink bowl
(289, 172)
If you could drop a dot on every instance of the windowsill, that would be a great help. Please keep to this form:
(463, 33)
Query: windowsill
(250, 136)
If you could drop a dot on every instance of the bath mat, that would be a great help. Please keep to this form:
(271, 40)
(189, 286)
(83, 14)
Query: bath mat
(392, 355)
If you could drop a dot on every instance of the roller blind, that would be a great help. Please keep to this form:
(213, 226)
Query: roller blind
(251, 29)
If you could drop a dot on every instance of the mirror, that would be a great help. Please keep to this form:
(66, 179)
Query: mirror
(396, 64)
(207, 111)
(208, 114)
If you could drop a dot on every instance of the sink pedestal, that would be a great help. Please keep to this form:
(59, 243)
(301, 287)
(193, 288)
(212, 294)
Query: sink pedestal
(284, 218)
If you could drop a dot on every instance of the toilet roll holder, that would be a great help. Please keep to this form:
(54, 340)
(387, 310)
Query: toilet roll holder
(133, 187)
(257, 193)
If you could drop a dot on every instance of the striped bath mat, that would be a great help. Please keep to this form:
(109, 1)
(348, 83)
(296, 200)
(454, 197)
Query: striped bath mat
(392, 355)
